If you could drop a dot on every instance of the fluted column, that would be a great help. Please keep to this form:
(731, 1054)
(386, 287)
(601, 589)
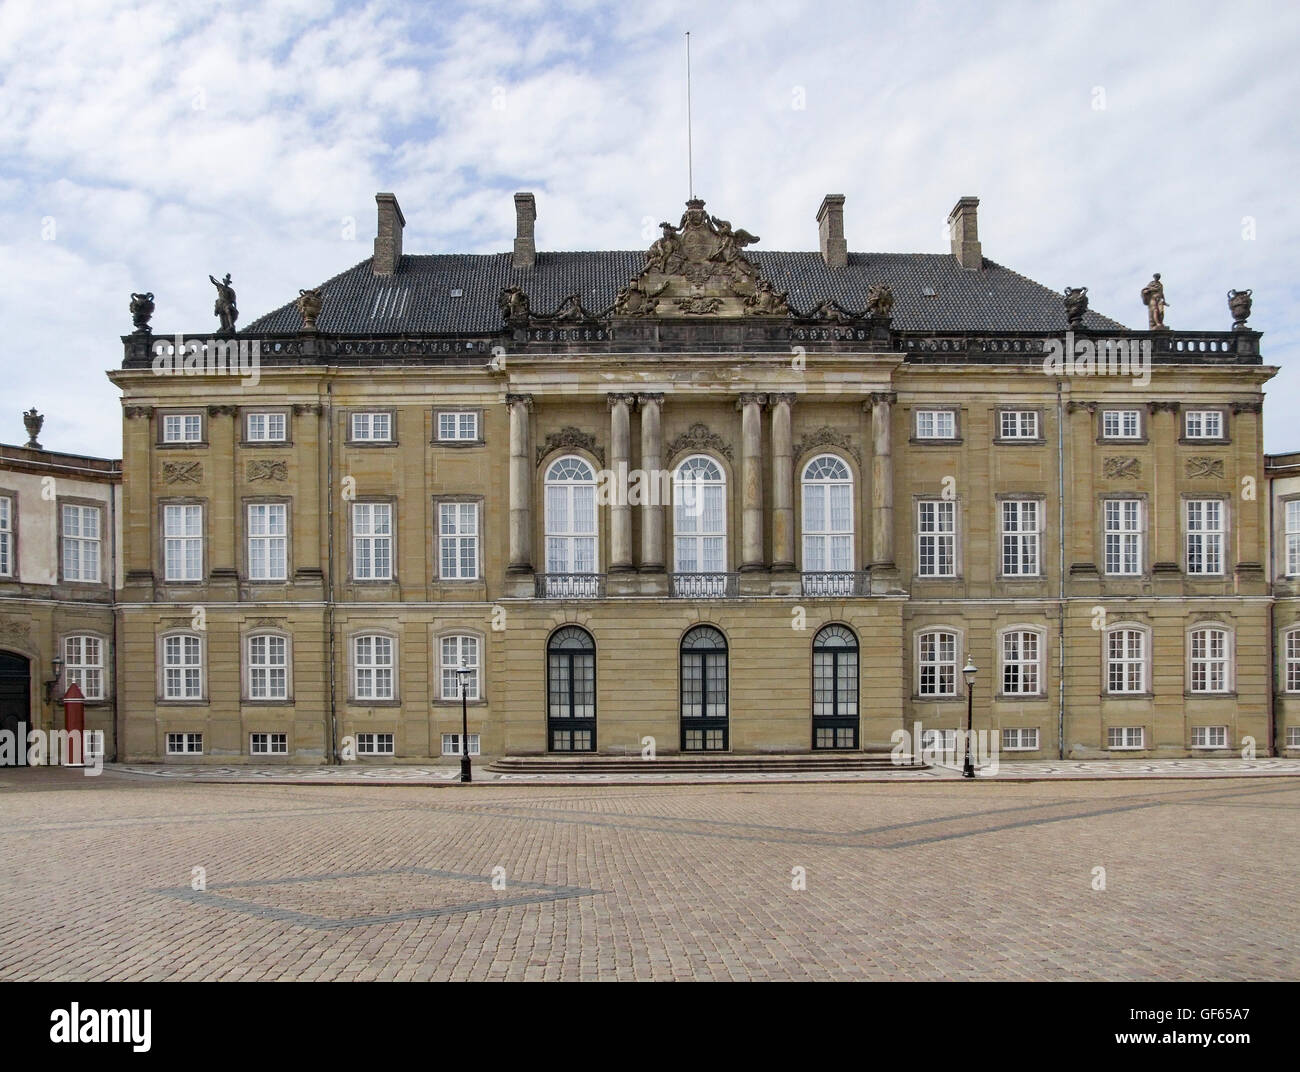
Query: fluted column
(652, 449)
(882, 479)
(620, 436)
(521, 485)
(751, 480)
(1166, 511)
(782, 483)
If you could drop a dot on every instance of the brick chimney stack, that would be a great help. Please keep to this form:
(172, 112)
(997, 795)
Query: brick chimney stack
(830, 231)
(963, 228)
(388, 241)
(525, 217)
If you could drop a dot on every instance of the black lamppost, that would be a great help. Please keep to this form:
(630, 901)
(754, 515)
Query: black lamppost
(968, 672)
(463, 673)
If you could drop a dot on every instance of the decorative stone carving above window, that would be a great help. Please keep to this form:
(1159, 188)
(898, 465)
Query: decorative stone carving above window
(570, 438)
(825, 436)
(182, 472)
(16, 632)
(1118, 468)
(698, 437)
(1199, 465)
(267, 469)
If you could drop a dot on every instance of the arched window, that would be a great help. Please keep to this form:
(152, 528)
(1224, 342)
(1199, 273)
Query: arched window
(835, 688)
(571, 691)
(827, 516)
(373, 666)
(268, 666)
(704, 690)
(936, 663)
(1022, 651)
(699, 516)
(1209, 651)
(1291, 662)
(1126, 659)
(571, 517)
(83, 662)
(182, 666)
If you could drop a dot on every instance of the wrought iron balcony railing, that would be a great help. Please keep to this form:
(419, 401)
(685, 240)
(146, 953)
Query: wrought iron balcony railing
(703, 585)
(570, 585)
(838, 583)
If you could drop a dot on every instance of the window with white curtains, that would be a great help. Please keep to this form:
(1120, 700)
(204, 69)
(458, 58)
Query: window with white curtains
(827, 516)
(699, 516)
(571, 517)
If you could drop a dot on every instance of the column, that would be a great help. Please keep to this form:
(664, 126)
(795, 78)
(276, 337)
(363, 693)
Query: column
(139, 520)
(1084, 514)
(882, 479)
(521, 485)
(782, 483)
(620, 528)
(751, 480)
(222, 525)
(1166, 508)
(652, 510)
(1248, 527)
(308, 553)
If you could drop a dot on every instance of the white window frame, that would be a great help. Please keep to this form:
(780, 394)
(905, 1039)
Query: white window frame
(371, 743)
(268, 742)
(266, 656)
(372, 541)
(454, 651)
(1131, 738)
(1020, 739)
(182, 428)
(266, 427)
(828, 549)
(1291, 661)
(1204, 536)
(936, 424)
(1018, 424)
(1291, 536)
(1126, 659)
(572, 543)
(83, 667)
(6, 535)
(939, 742)
(1210, 737)
(180, 743)
(178, 544)
(1293, 737)
(268, 541)
(1021, 544)
(1122, 534)
(81, 549)
(936, 538)
(451, 744)
(1121, 420)
(374, 667)
(1197, 424)
(184, 669)
(458, 426)
(944, 683)
(1029, 659)
(1213, 665)
(695, 496)
(372, 426)
(458, 536)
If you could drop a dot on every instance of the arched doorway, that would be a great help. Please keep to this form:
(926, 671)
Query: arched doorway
(15, 697)
(571, 691)
(705, 726)
(835, 688)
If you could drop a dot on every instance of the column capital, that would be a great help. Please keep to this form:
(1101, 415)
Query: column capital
(302, 409)
(1166, 407)
(519, 400)
(616, 398)
(749, 399)
(1075, 407)
(222, 411)
(876, 398)
(646, 398)
(1247, 407)
(786, 397)
(137, 411)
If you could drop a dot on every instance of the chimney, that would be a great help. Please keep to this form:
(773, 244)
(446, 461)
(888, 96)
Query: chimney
(963, 229)
(830, 231)
(525, 217)
(388, 242)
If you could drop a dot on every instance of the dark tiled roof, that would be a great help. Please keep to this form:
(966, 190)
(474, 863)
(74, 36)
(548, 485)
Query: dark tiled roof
(417, 299)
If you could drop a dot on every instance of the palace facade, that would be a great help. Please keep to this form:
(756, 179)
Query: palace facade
(726, 499)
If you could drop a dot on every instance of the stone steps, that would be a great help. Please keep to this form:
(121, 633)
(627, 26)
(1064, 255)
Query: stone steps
(695, 764)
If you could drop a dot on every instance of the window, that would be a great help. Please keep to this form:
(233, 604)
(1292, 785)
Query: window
(1126, 665)
(184, 744)
(183, 428)
(1018, 424)
(266, 427)
(699, 517)
(372, 541)
(835, 688)
(827, 516)
(372, 666)
(705, 726)
(1021, 650)
(81, 543)
(7, 536)
(1203, 424)
(458, 427)
(1124, 737)
(939, 741)
(1209, 736)
(83, 662)
(1209, 660)
(455, 652)
(1020, 740)
(1123, 537)
(1121, 424)
(1293, 736)
(183, 543)
(936, 424)
(936, 528)
(182, 667)
(571, 690)
(268, 542)
(570, 517)
(372, 427)
(374, 744)
(1293, 661)
(451, 744)
(268, 667)
(458, 541)
(1205, 536)
(1292, 537)
(268, 744)
(1020, 538)
(937, 663)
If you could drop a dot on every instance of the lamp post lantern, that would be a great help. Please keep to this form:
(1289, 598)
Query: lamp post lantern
(463, 673)
(968, 672)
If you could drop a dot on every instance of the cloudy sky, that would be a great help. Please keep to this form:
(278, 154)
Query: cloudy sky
(144, 146)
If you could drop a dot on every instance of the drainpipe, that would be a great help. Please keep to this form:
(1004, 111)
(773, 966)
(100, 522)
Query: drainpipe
(1272, 627)
(1060, 602)
(113, 491)
(332, 749)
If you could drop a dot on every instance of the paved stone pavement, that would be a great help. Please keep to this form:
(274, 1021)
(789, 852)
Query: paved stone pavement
(936, 879)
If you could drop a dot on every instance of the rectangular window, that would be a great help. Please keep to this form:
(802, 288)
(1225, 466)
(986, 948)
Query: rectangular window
(1292, 538)
(1018, 424)
(940, 741)
(374, 744)
(1020, 654)
(1293, 736)
(1121, 424)
(81, 542)
(182, 667)
(268, 542)
(1209, 658)
(1126, 665)
(936, 528)
(268, 667)
(1293, 661)
(458, 427)
(183, 543)
(1123, 537)
(455, 652)
(451, 744)
(372, 541)
(372, 427)
(266, 427)
(1120, 738)
(1020, 538)
(373, 667)
(936, 424)
(83, 662)
(1020, 740)
(184, 744)
(937, 656)
(458, 541)
(1205, 536)
(6, 536)
(1209, 736)
(268, 744)
(1203, 424)
(183, 428)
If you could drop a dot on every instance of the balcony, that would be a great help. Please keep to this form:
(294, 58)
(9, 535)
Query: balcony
(837, 584)
(570, 586)
(703, 585)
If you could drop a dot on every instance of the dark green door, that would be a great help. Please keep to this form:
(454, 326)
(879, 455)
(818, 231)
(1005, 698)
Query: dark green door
(15, 696)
